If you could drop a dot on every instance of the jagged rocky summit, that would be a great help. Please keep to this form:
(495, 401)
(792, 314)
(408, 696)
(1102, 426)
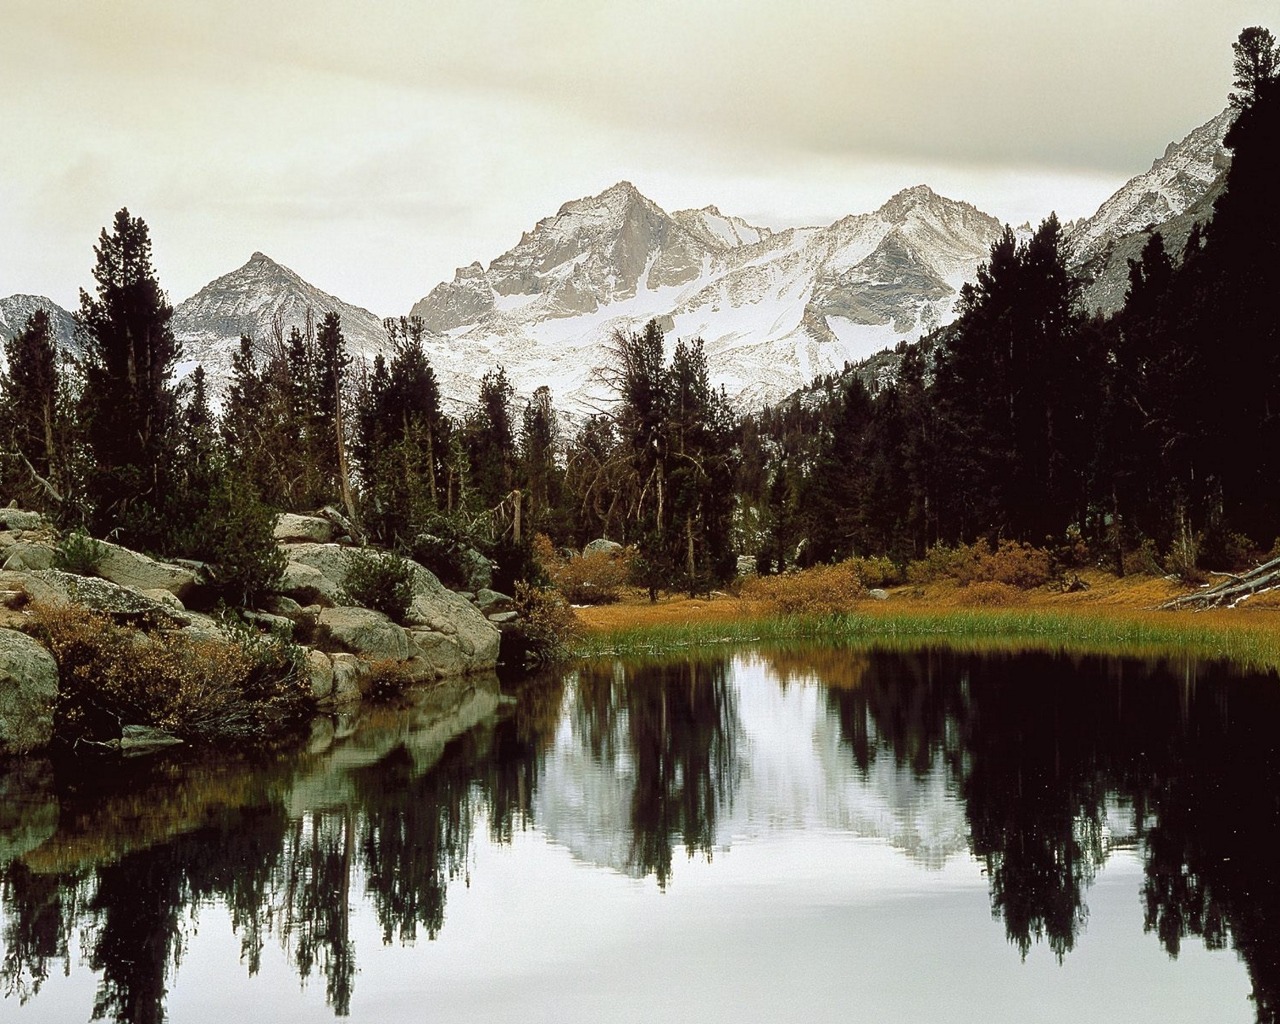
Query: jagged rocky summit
(773, 307)
(264, 300)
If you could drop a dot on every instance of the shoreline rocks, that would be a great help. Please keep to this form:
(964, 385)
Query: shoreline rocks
(443, 634)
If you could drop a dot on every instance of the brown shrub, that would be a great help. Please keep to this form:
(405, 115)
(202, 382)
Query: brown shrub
(1012, 563)
(1018, 565)
(877, 572)
(112, 675)
(545, 625)
(941, 562)
(820, 590)
(597, 578)
(991, 594)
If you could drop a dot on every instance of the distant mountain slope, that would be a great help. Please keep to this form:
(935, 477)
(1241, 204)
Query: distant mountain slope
(774, 308)
(1177, 191)
(15, 309)
(258, 299)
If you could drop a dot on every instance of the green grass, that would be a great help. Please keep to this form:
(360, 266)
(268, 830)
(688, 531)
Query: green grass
(1153, 635)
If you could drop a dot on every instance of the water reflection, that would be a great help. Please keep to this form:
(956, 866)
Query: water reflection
(1040, 766)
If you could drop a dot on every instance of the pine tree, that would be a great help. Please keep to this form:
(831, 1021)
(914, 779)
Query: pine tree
(130, 402)
(35, 446)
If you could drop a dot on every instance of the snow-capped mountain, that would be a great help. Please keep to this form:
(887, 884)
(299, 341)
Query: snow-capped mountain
(15, 309)
(1177, 190)
(774, 308)
(261, 299)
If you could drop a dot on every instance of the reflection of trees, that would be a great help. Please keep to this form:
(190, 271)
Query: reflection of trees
(1212, 868)
(676, 726)
(406, 832)
(1038, 744)
(41, 911)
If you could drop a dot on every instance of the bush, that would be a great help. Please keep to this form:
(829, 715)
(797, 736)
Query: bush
(1017, 565)
(941, 562)
(1012, 563)
(819, 590)
(381, 581)
(544, 627)
(1143, 560)
(79, 553)
(992, 594)
(877, 572)
(248, 686)
(597, 578)
(444, 546)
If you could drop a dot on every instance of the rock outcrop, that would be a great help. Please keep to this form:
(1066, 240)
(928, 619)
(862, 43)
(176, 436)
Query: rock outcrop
(28, 692)
(348, 648)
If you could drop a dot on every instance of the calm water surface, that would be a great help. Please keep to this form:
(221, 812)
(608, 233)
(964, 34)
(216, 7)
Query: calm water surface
(810, 836)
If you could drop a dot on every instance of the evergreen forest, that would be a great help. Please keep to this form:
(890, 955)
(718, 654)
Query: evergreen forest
(1154, 430)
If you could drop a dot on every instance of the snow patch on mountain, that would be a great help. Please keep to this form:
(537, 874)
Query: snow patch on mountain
(774, 308)
(264, 300)
(16, 309)
(1177, 191)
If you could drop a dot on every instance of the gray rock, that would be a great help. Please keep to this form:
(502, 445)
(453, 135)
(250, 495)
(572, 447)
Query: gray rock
(303, 583)
(24, 556)
(291, 527)
(601, 546)
(144, 739)
(164, 597)
(16, 519)
(55, 587)
(28, 692)
(877, 594)
(130, 569)
(331, 561)
(494, 601)
(348, 671)
(279, 604)
(320, 668)
(502, 618)
(270, 623)
(367, 633)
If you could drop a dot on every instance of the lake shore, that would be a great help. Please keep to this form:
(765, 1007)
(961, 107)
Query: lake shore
(1114, 615)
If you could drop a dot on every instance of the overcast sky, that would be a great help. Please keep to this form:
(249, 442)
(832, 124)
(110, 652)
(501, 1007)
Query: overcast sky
(375, 146)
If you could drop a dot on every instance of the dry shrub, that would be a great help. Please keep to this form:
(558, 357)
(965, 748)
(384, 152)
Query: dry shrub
(544, 627)
(1012, 563)
(941, 563)
(388, 679)
(112, 675)
(991, 594)
(820, 590)
(877, 572)
(1015, 564)
(597, 578)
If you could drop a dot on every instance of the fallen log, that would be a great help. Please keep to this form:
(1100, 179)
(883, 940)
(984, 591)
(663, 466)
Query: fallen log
(1231, 591)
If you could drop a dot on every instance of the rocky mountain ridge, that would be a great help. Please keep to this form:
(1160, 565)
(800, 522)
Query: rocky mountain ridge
(264, 300)
(774, 308)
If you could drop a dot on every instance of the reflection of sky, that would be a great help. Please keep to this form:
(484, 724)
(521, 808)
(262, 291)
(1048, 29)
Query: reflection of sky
(783, 928)
(794, 774)
(817, 906)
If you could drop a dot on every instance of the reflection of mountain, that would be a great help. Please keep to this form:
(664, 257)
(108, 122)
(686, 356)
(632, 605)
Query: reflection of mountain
(792, 771)
(1039, 765)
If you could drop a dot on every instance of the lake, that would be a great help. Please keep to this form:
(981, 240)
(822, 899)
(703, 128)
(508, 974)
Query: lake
(790, 835)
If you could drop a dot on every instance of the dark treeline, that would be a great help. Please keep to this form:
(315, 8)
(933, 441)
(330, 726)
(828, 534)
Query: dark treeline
(1027, 419)
(1156, 429)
